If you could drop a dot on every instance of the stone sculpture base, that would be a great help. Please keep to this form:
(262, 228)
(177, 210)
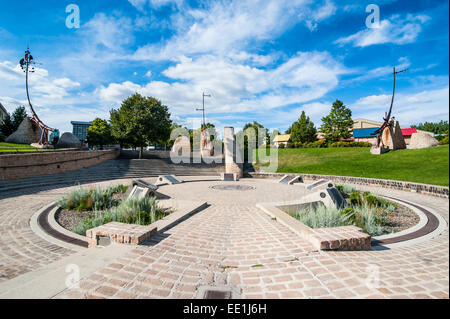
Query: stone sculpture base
(392, 137)
(44, 147)
(27, 133)
(379, 150)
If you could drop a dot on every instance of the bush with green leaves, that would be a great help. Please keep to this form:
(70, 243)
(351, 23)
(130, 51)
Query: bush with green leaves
(83, 199)
(345, 190)
(355, 198)
(144, 211)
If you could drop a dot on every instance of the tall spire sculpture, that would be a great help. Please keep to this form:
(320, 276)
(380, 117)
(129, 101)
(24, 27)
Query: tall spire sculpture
(28, 66)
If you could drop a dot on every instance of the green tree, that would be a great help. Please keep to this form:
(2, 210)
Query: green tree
(7, 127)
(19, 114)
(140, 121)
(256, 132)
(438, 128)
(12, 122)
(303, 131)
(338, 124)
(99, 133)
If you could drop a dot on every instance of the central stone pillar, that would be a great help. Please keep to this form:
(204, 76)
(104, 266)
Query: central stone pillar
(230, 153)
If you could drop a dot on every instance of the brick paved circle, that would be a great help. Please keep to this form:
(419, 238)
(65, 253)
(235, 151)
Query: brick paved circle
(232, 243)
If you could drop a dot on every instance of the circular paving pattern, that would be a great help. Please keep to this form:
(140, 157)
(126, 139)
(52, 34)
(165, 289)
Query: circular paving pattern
(233, 187)
(231, 243)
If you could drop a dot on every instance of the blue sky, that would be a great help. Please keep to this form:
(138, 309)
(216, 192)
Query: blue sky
(260, 60)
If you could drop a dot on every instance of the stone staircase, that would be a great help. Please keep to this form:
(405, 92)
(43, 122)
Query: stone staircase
(115, 169)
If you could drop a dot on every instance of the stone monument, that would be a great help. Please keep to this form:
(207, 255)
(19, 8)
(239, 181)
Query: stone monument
(422, 140)
(392, 137)
(182, 145)
(206, 147)
(231, 166)
(27, 133)
(389, 135)
(68, 140)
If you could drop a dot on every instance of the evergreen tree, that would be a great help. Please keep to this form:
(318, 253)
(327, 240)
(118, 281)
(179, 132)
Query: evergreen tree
(303, 131)
(18, 116)
(338, 124)
(7, 127)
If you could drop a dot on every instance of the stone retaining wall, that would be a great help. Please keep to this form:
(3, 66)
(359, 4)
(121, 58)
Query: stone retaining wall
(15, 166)
(435, 190)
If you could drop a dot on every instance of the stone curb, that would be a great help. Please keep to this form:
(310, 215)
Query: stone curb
(160, 226)
(344, 238)
(434, 190)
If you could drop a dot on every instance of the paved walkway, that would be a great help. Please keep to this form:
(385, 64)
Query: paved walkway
(234, 244)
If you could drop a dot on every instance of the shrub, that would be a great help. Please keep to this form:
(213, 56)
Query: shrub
(367, 219)
(444, 141)
(345, 189)
(290, 145)
(142, 211)
(355, 198)
(316, 144)
(351, 144)
(322, 217)
(95, 199)
(2, 137)
(281, 146)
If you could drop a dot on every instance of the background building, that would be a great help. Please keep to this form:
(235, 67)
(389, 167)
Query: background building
(3, 113)
(363, 128)
(80, 130)
(281, 139)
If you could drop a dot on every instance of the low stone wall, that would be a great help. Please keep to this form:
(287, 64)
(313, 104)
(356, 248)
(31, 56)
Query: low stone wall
(435, 190)
(15, 166)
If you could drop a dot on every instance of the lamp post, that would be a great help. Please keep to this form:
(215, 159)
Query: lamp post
(203, 109)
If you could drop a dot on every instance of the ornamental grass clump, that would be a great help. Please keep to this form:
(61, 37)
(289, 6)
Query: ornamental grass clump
(144, 211)
(321, 217)
(83, 199)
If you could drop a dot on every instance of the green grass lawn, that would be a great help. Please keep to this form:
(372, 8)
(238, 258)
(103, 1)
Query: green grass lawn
(10, 147)
(429, 166)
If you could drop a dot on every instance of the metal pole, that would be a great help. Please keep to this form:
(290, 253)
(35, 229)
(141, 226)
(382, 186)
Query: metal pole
(204, 122)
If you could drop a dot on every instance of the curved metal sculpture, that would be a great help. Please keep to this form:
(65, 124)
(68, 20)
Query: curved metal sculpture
(27, 65)
(387, 116)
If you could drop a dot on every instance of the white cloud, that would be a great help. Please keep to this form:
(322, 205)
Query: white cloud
(380, 72)
(413, 108)
(313, 17)
(236, 87)
(232, 26)
(393, 30)
(42, 87)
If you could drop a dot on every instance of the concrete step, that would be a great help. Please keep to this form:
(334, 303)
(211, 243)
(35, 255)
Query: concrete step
(114, 169)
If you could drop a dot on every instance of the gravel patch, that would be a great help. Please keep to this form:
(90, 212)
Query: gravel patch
(70, 218)
(402, 218)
